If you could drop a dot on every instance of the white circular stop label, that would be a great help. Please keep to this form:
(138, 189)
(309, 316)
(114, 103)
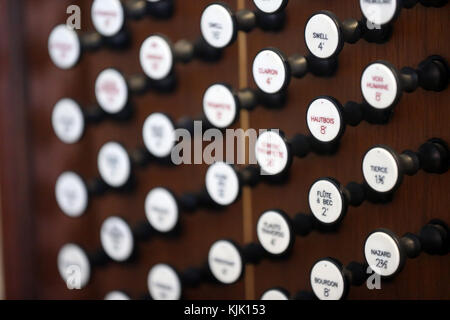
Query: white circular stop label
(382, 253)
(222, 183)
(225, 262)
(111, 91)
(324, 120)
(269, 71)
(269, 6)
(164, 283)
(117, 239)
(156, 57)
(380, 169)
(271, 153)
(116, 295)
(325, 201)
(217, 25)
(274, 294)
(327, 280)
(74, 266)
(64, 47)
(219, 106)
(161, 209)
(273, 232)
(68, 121)
(71, 194)
(379, 86)
(322, 36)
(158, 133)
(114, 164)
(107, 16)
(379, 12)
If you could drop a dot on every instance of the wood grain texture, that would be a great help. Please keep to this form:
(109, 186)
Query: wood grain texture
(419, 116)
(15, 165)
(47, 84)
(32, 157)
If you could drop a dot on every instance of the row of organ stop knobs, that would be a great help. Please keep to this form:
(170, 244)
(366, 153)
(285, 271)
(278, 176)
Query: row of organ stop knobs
(382, 85)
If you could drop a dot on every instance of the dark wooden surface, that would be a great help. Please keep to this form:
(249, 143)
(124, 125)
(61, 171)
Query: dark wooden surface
(15, 173)
(34, 226)
(419, 116)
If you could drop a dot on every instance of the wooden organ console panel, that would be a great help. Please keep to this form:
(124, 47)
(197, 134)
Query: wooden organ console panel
(32, 156)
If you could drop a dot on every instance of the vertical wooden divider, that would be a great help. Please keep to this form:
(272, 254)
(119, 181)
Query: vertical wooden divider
(247, 214)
